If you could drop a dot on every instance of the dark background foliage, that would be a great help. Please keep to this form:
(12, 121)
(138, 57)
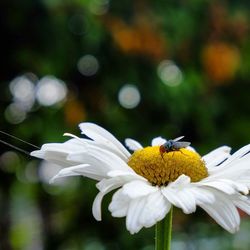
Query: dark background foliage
(138, 68)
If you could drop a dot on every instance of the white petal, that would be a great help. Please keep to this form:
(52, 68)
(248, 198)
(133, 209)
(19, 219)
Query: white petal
(191, 148)
(115, 173)
(96, 207)
(70, 171)
(176, 193)
(181, 182)
(155, 209)
(238, 154)
(58, 158)
(132, 144)
(201, 194)
(101, 161)
(237, 170)
(186, 195)
(105, 184)
(101, 135)
(141, 212)
(146, 211)
(38, 153)
(138, 188)
(132, 220)
(109, 160)
(184, 200)
(224, 212)
(216, 156)
(245, 181)
(225, 185)
(89, 144)
(72, 145)
(86, 170)
(99, 167)
(119, 204)
(158, 141)
(58, 152)
(244, 205)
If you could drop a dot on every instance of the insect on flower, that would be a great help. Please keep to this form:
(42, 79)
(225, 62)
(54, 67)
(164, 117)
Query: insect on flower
(173, 145)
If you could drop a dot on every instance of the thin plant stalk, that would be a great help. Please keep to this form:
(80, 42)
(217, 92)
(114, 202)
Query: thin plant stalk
(163, 232)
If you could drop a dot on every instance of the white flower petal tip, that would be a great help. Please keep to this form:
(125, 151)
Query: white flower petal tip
(241, 152)
(52, 180)
(55, 178)
(105, 139)
(75, 137)
(37, 153)
(71, 171)
(158, 141)
(225, 149)
(217, 156)
(96, 207)
(58, 176)
(132, 144)
(224, 212)
(70, 135)
(191, 148)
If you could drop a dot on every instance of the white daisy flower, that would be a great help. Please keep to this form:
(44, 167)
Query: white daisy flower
(149, 181)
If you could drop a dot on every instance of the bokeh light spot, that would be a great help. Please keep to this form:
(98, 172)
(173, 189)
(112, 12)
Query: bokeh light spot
(93, 245)
(47, 170)
(99, 7)
(23, 90)
(88, 65)
(50, 91)
(9, 161)
(169, 73)
(14, 113)
(129, 96)
(31, 172)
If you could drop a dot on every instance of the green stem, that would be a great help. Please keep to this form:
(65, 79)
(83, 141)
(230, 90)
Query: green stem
(163, 232)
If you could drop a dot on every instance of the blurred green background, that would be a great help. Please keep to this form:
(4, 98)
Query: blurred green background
(138, 68)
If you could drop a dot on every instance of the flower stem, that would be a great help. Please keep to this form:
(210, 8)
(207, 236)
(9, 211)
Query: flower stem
(163, 232)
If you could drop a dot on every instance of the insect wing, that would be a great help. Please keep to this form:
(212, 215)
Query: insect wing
(178, 138)
(181, 144)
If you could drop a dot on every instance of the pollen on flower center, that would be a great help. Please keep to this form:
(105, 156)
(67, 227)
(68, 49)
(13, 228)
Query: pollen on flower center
(162, 169)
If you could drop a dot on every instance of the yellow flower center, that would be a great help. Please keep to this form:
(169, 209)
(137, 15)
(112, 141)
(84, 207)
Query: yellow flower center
(160, 169)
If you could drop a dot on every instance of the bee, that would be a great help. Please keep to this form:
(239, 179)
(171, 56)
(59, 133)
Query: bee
(173, 145)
